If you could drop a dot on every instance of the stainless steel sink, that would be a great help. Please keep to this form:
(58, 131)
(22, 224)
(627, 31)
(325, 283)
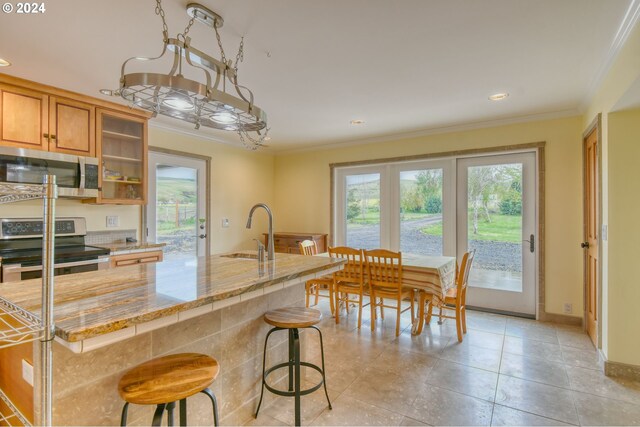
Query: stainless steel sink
(240, 255)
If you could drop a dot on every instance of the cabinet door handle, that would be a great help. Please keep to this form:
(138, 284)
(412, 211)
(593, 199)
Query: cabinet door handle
(46, 135)
(53, 137)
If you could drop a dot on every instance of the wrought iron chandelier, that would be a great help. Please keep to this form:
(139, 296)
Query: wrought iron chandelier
(207, 103)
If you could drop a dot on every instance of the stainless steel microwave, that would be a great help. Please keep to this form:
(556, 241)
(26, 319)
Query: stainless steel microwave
(76, 176)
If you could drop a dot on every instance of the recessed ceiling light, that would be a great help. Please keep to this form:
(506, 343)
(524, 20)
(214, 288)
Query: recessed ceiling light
(4, 63)
(357, 122)
(498, 96)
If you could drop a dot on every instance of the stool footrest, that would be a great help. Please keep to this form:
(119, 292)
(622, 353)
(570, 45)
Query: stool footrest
(291, 393)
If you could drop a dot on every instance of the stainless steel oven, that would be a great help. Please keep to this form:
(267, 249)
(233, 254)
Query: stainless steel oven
(76, 176)
(21, 249)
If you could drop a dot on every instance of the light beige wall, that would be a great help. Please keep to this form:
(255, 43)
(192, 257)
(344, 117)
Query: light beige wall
(624, 235)
(303, 190)
(239, 179)
(623, 73)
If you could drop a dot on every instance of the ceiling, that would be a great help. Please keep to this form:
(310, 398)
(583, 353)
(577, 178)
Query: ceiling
(404, 67)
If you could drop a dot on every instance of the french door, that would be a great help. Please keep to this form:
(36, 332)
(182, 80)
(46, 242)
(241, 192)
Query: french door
(497, 218)
(407, 207)
(176, 213)
(446, 207)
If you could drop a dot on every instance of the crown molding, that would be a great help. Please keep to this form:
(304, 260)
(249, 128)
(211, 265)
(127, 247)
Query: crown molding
(434, 131)
(625, 28)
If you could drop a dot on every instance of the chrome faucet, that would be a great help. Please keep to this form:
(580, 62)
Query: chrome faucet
(270, 238)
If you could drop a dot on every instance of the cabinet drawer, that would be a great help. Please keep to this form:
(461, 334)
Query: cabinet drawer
(135, 259)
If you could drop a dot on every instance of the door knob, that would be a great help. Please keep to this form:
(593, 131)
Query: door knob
(584, 245)
(202, 236)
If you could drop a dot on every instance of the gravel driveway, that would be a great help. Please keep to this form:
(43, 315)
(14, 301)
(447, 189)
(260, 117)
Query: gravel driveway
(502, 256)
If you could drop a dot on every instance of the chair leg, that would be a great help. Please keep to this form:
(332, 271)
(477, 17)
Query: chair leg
(331, 301)
(360, 311)
(123, 417)
(440, 317)
(157, 415)
(214, 403)
(264, 362)
(317, 294)
(382, 308)
(170, 407)
(346, 302)
(183, 412)
(398, 312)
(296, 362)
(337, 305)
(374, 309)
(307, 290)
(324, 378)
(464, 319)
(459, 323)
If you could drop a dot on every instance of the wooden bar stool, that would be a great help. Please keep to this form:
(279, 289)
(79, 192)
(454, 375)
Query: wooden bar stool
(166, 380)
(292, 319)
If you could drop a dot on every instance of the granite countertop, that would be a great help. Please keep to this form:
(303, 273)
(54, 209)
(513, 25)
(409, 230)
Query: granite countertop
(99, 302)
(124, 247)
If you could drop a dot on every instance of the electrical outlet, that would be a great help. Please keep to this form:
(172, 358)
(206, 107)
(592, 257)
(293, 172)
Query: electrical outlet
(27, 372)
(225, 222)
(113, 220)
(568, 308)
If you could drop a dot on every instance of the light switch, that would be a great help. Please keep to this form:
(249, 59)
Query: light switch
(113, 220)
(225, 222)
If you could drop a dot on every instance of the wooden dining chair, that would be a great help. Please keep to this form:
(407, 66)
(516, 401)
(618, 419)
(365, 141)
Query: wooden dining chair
(384, 269)
(348, 281)
(456, 298)
(313, 286)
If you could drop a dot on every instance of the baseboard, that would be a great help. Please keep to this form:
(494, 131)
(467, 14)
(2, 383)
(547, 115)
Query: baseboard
(621, 370)
(560, 318)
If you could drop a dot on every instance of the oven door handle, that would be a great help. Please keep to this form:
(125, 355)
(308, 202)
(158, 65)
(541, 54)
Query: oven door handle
(17, 268)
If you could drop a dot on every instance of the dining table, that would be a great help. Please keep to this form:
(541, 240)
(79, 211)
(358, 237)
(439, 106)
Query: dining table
(433, 275)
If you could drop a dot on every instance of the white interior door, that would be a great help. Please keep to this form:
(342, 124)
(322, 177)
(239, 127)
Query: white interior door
(497, 218)
(176, 210)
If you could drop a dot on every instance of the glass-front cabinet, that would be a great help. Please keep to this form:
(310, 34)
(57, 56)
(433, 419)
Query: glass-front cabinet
(122, 149)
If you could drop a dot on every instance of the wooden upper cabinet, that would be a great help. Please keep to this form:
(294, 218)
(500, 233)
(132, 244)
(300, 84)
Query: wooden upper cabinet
(72, 127)
(122, 151)
(24, 119)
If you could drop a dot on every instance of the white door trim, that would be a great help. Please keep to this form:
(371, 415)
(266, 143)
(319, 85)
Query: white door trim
(527, 302)
(175, 158)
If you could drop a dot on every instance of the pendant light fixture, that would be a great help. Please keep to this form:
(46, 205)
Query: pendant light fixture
(217, 101)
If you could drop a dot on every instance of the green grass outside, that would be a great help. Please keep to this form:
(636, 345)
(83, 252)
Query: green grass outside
(370, 217)
(373, 217)
(502, 228)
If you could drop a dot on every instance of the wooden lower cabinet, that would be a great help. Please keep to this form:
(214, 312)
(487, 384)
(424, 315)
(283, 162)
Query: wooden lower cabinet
(286, 242)
(135, 259)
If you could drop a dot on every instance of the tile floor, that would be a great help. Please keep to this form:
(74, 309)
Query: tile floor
(508, 371)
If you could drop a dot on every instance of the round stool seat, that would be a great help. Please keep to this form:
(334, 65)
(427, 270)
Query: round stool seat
(293, 317)
(168, 378)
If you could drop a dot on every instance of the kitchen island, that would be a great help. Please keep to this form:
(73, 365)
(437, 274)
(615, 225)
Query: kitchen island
(109, 321)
